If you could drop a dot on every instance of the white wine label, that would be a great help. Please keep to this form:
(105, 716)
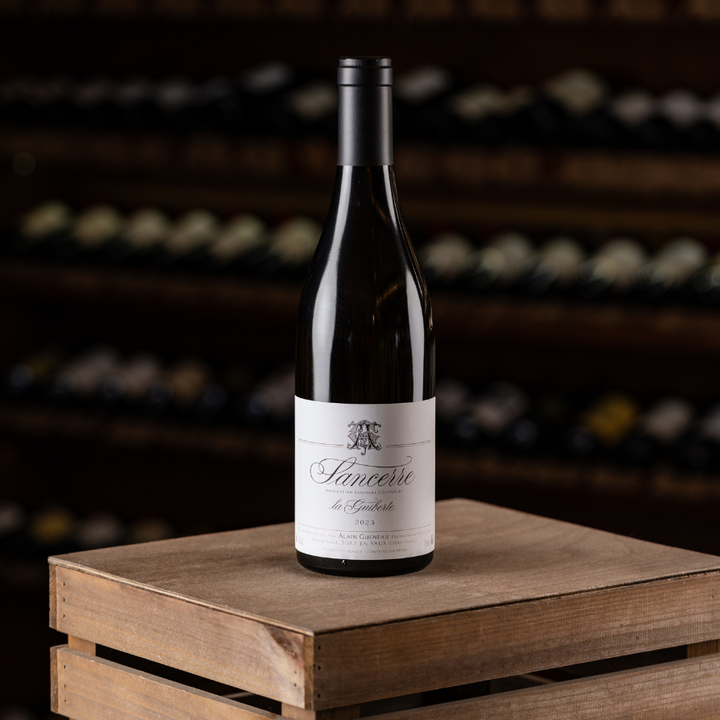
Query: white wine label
(364, 479)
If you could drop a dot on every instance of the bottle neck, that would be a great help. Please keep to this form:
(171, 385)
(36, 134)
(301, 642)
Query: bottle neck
(365, 125)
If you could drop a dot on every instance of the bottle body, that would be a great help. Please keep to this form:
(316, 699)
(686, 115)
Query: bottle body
(365, 350)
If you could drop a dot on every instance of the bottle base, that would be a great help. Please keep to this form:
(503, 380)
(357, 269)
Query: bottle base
(364, 568)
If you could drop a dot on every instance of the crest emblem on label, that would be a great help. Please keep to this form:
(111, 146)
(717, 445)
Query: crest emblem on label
(364, 436)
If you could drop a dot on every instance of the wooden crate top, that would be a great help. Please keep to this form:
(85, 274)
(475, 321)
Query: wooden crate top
(485, 557)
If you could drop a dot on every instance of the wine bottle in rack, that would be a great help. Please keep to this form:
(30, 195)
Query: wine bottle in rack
(667, 273)
(500, 264)
(612, 270)
(134, 106)
(25, 378)
(365, 361)
(270, 403)
(684, 113)
(704, 286)
(700, 449)
(129, 383)
(476, 114)
(263, 89)
(188, 242)
(419, 107)
(555, 267)
(313, 108)
(444, 259)
(241, 244)
(454, 399)
(178, 389)
(79, 378)
(175, 99)
(578, 94)
(145, 231)
(92, 102)
(94, 231)
(289, 249)
(657, 431)
(41, 229)
(491, 415)
(603, 425)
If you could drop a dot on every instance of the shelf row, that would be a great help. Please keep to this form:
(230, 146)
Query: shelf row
(612, 326)
(431, 103)
(644, 11)
(460, 471)
(681, 271)
(311, 163)
(552, 422)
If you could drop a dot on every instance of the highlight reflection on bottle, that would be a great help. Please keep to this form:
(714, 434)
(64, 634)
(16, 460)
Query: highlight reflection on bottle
(365, 364)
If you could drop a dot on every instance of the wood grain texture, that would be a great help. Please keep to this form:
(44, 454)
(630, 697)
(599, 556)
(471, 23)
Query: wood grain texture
(90, 688)
(218, 645)
(53, 595)
(344, 713)
(372, 663)
(84, 646)
(682, 690)
(709, 647)
(485, 557)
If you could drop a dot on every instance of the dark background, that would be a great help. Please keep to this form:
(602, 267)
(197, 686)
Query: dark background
(198, 479)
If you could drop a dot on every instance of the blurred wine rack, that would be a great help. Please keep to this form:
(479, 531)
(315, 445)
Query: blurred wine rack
(207, 477)
(651, 11)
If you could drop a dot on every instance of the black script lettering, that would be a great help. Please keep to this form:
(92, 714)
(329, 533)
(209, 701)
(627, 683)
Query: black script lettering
(346, 473)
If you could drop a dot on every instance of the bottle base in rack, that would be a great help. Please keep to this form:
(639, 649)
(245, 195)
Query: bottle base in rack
(364, 568)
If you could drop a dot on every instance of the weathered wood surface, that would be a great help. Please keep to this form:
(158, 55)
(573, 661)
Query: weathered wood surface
(342, 713)
(708, 647)
(682, 690)
(508, 593)
(90, 688)
(233, 650)
(486, 556)
(372, 663)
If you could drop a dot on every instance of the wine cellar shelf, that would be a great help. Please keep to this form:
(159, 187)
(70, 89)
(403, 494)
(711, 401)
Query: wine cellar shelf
(457, 471)
(672, 331)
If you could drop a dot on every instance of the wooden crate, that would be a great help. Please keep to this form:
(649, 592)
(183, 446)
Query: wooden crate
(509, 595)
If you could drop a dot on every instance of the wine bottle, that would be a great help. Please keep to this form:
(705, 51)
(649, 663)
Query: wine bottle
(490, 415)
(420, 96)
(92, 102)
(555, 268)
(365, 361)
(579, 93)
(41, 229)
(146, 230)
(188, 242)
(704, 286)
(453, 399)
(262, 92)
(270, 403)
(667, 273)
(658, 429)
(602, 425)
(640, 125)
(500, 264)
(26, 377)
(130, 381)
(290, 249)
(476, 114)
(444, 260)
(80, 377)
(93, 232)
(685, 114)
(612, 270)
(134, 104)
(700, 449)
(241, 243)
(313, 108)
